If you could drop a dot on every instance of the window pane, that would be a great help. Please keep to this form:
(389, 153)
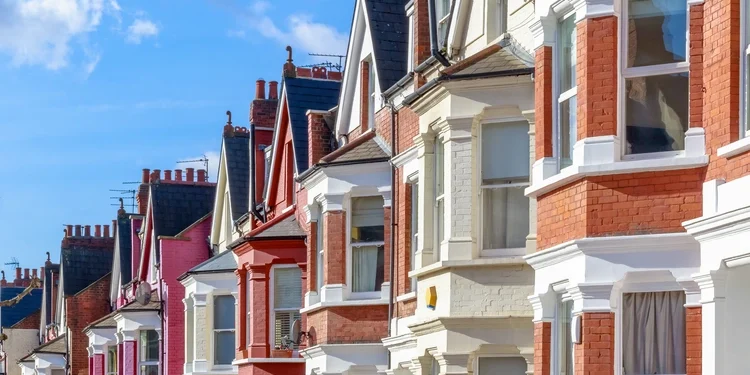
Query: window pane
(657, 32)
(368, 218)
(505, 152)
(283, 327)
(112, 360)
(414, 229)
(439, 228)
(223, 347)
(653, 333)
(223, 312)
(656, 113)
(149, 370)
(502, 366)
(564, 339)
(506, 218)
(319, 266)
(367, 268)
(568, 131)
(149, 341)
(567, 53)
(287, 288)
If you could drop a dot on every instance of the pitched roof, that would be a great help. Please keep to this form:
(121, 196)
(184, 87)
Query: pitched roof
(389, 29)
(237, 155)
(107, 321)
(84, 263)
(368, 146)
(10, 315)
(506, 55)
(222, 262)
(302, 95)
(153, 305)
(287, 227)
(177, 206)
(56, 346)
(125, 243)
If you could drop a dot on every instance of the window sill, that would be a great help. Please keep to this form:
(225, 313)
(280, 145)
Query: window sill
(735, 148)
(406, 297)
(358, 302)
(575, 172)
(481, 262)
(268, 360)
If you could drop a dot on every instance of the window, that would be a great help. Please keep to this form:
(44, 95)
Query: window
(653, 333)
(111, 360)
(439, 217)
(414, 231)
(655, 73)
(563, 317)
(567, 90)
(371, 94)
(149, 352)
(443, 15)
(320, 269)
(501, 366)
(745, 66)
(367, 241)
(248, 310)
(223, 330)
(505, 174)
(287, 301)
(502, 16)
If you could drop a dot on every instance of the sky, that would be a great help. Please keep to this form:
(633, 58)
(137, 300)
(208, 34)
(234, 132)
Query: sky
(93, 91)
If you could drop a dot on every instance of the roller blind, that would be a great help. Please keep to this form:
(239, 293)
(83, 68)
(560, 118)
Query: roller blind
(505, 152)
(287, 288)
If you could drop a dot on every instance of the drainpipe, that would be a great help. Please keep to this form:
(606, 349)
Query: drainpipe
(253, 207)
(391, 266)
(163, 358)
(434, 48)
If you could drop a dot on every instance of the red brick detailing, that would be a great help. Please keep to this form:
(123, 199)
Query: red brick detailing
(318, 137)
(542, 348)
(364, 95)
(543, 102)
(406, 309)
(312, 256)
(696, 65)
(694, 340)
(335, 244)
(241, 329)
(258, 346)
(272, 369)
(627, 204)
(387, 246)
(407, 127)
(31, 321)
(130, 358)
(83, 309)
(348, 325)
(383, 124)
(595, 354)
(421, 38)
(597, 77)
(403, 237)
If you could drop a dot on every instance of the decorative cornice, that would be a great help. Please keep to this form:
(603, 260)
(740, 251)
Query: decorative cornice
(405, 157)
(713, 285)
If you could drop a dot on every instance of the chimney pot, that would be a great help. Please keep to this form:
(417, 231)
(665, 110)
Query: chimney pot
(168, 175)
(18, 274)
(41, 273)
(78, 231)
(260, 89)
(201, 175)
(189, 175)
(106, 231)
(178, 174)
(273, 93)
(26, 274)
(87, 230)
(34, 274)
(157, 173)
(70, 230)
(97, 230)
(146, 175)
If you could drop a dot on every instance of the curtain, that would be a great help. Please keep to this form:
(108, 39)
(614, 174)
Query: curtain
(653, 330)
(364, 268)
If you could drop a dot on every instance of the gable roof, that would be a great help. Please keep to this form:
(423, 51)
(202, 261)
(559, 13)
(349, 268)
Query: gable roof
(107, 321)
(177, 206)
(390, 31)
(84, 263)
(302, 95)
(368, 146)
(125, 247)
(237, 158)
(26, 306)
(224, 262)
(287, 227)
(56, 346)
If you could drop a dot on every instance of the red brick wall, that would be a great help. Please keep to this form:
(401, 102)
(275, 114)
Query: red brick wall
(543, 102)
(696, 65)
(318, 138)
(364, 95)
(694, 338)
(597, 77)
(542, 346)
(595, 354)
(383, 124)
(406, 129)
(272, 369)
(406, 308)
(421, 38)
(387, 247)
(83, 309)
(335, 245)
(348, 325)
(312, 256)
(32, 321)
(627, 204)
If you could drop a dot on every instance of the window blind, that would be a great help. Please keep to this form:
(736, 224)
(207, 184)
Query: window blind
(505, 151)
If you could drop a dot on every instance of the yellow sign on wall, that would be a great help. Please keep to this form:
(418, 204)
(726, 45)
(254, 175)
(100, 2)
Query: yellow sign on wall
(431, 297)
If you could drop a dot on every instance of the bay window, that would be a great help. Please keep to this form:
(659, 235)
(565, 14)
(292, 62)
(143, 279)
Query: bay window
(287, 301)
(566, 130)
(505, 174)
(223, 330)
(439, 193)
(564, 359)
(112, 360)
(149, 352)
(655, 74)
(367, 240)
(320, 254)
(653, 333)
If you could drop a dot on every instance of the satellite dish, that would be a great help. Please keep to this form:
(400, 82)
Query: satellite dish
(297, 332)
(143, 293)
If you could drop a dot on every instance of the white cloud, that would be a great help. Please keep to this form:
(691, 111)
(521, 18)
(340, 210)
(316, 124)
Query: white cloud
(301, 31)
(92, 63)
(213, 164)
(140, 29)
(39, 32)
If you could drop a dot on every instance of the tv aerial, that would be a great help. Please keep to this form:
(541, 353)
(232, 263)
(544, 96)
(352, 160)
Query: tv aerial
(203, 160)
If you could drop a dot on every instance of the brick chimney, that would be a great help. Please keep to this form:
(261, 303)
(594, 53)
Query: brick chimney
(263, 117)
(421, 41)
(3, 282)
(318, 136)
(142, 197)
(18, 279)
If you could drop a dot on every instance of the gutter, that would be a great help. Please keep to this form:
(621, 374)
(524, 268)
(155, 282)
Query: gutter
(253, 208)
(399, 85)
(434, 51)
(394, 225)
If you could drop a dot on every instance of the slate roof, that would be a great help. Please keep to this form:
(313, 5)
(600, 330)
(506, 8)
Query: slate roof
(177, 206)
(389, 29)
(288, 227)
(154, 305)
(10, 315)
(82, 265)
(108, 321)
(302, 95)
(56, 346)
(505, 55)
(124, 230)
(368, 147)
(222, 262)
(237, 155)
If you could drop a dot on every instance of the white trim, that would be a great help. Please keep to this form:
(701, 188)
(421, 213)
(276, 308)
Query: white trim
(481, 262)
(357, 302)
(406, 296)
(267, 360)
(735, 148)
(271, 307)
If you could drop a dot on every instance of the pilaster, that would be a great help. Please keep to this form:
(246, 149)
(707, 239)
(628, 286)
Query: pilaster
(200, 339)
(714, 308)
(258, 346)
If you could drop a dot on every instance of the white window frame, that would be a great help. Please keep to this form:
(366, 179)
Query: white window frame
(320, 265)
(350, 252)
(214, 331)
(517, 251)
(410, 41)
(438, 233)
(371, 92)
(271, 303)
(562, 296)
(142, 362)
(108, 370)
(637, 288)
(479, 358)
(744, 74)
(643, 71)
(414, 182)
(561, 96)
(502, 17)
(442, 19)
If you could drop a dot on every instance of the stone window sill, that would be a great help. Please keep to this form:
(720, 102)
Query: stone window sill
(481, 262)
(735, 148)
(268, 360)
(406, 297)
(357, 302)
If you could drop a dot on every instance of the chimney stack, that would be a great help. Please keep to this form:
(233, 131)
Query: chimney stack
(273, 92)
(190, 174)
(78, 231)
(87, 230)
(146, 175)
(260, 89)
(106, 231)
(156, 175)
(201, 175)
(289, 70)
(41, 273)
(142, 197)
(97, 230)
(69, 230)
(25, 273)
(168, 175)
(34, 274)
(178, 174)
(18, 275)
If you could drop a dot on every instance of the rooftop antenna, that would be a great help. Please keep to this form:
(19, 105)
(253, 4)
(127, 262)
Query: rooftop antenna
(13, 262)
(329, 64)
(131, 192)
(204, 159)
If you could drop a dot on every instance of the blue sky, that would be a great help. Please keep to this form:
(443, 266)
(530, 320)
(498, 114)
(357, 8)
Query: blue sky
(92, 91)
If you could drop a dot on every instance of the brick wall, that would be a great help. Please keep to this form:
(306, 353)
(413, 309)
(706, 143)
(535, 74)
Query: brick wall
(542, 346)
(272, 369)
(406, 309)
(595, 354)
(596, 75)
(364, 95)
(407, 129)
(335, 244)
(694, 338)
(82, 309)
(421, 38)
(696, 65)
(543, 101)
(348, 325)
(31, 321)
(318, 138)
(403, 192)
(491, 291)
(383, 124)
